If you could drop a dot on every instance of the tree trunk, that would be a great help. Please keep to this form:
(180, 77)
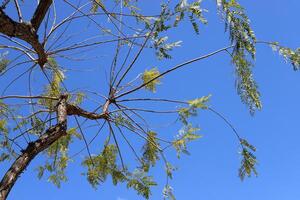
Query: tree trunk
(34, 148)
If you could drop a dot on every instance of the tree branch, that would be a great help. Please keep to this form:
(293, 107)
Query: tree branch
(76, 110)
(40, 13)
(25, 32)
(34, 148)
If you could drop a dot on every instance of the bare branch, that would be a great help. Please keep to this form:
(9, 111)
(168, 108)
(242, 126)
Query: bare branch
(40, 13)
(75, 110)
(18, 10)
(175, 68)
(28, 97)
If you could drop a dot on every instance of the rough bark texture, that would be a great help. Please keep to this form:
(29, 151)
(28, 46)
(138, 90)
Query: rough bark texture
(27, 31)
(34, 148)
(76, 110)
(46, 140)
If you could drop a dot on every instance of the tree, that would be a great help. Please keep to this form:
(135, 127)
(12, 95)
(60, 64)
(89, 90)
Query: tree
(40, 48)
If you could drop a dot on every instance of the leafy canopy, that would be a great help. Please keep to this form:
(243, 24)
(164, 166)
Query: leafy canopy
(26, 119)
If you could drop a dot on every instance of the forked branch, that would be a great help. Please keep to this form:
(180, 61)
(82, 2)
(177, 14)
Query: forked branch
(34, 148)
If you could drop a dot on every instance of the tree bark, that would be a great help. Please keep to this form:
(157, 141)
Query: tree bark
(27, 31)
(40, 13)
(46, 140)
(34, 148)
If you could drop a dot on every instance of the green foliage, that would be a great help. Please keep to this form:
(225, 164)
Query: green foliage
(194, 105)
(244, 40)
(6, 148)
(105, 164)
(249, 161)
(3, 62)
(148, 77)
(120, 120)
(79, 97)
(4, 157)
(38, 126)
(238, 24)
(3, 109)
(140, 182)
(102, 165)
(168, 193)
(246, 85)
(292, 56)
(170, 169)
(163, 48)
(199, 102)
(51, 63)
(76, 98)
(96, 4)
(3, 126)
(54, 89)
(186, 134)
(150, 151)
(58, 158)
(163, 24)
(194, 12)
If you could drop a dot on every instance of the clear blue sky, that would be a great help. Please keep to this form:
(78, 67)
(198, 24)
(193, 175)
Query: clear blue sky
(210, 172)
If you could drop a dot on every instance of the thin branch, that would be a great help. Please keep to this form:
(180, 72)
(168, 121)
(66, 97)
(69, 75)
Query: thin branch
(18, 10)
(28, 97)
(175, 68)
(117, 145)
(127, 141)
(90, 142)
(84, 139)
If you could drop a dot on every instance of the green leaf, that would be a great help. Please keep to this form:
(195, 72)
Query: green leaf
(95, 5)
(102, 165)
(243, 39)
(3, 126)
(246, 85)
(191, 111)
(73, 132)
(168, 193)
(249, 162)
(41, 171)
(3, 62)
(38, 126)
(170, 169)
(4, 157)
(292, 56)
(79, 97)
(53, 89)
(186, 135)
(140, 182)
(148, 77)
(151, 151)
(200, 102)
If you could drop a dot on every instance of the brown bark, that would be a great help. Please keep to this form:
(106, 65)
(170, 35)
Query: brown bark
(40, 13)
(49, 137)
(34, 148)
(27, 31)
(76, 110)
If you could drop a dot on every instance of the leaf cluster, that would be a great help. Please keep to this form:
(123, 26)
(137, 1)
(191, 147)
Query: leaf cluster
(290, 55)
(243, 40)
(58, 158)
(150, 151)
(148, 78)
(249, 162)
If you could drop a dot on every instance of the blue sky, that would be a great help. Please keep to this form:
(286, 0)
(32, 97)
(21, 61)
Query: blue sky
(210, 172)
